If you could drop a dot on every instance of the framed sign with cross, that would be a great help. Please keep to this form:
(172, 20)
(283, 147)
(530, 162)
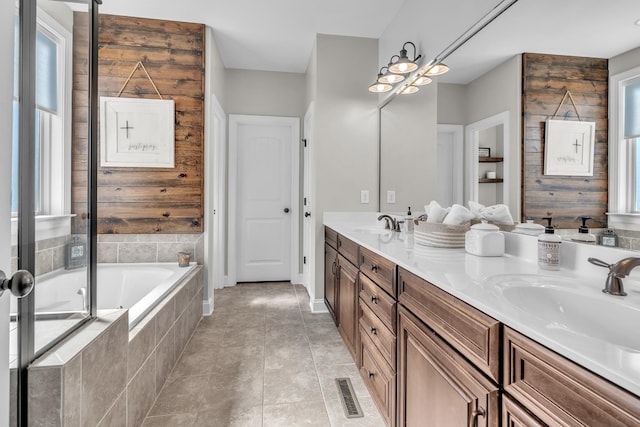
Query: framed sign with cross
(137, 132)
(569, 148)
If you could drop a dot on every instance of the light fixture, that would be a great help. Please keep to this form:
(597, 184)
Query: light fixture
(409, 90)
(437, 70)
(378, 87)
(422, 80)
(405, 65)
(389, 77)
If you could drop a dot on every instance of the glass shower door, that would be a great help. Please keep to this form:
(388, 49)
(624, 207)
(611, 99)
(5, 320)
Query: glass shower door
(51, 116)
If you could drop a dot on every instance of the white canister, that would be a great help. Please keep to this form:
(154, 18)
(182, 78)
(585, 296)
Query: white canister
(484, 239)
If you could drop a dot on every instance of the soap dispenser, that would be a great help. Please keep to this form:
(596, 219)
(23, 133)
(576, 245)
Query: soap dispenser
(583, 235)
(549, 248)
(408, 221)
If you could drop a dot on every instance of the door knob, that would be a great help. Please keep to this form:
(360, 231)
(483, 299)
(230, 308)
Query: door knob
(286, 210)
(307, 214)
(20, 284)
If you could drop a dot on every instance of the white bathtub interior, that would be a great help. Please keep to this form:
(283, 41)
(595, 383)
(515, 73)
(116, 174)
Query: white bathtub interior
(60, 296)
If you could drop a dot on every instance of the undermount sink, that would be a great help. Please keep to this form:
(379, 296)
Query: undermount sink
(571, 309)
(373, 229)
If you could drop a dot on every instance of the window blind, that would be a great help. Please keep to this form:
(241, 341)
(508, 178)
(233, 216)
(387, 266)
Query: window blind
(632, 110)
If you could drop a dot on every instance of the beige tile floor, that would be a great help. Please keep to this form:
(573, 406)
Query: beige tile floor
(262, 359)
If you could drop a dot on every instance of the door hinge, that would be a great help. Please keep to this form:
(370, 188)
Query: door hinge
(304, 141)
(304, 203)
(304, 259)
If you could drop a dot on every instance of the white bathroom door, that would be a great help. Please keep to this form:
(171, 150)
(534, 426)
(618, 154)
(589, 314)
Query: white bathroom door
(265, 208)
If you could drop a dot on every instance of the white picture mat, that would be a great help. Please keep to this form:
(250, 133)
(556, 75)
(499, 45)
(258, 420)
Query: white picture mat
(569, 148)
(137, 132)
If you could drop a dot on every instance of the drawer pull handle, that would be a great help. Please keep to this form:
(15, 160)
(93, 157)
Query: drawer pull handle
(374, 299)
(374, 268)
(473, 419)
(374, 331)
(333, 268)
(371, 374)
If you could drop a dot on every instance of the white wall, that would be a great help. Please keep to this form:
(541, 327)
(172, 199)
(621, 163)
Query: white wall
(6, 97)
(345, 134)
(216, 73)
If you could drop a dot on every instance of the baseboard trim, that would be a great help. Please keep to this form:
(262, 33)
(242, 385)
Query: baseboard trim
(207, 307)
(318, 306)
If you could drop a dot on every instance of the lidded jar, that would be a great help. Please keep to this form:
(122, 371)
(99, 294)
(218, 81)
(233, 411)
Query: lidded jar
(484, 239)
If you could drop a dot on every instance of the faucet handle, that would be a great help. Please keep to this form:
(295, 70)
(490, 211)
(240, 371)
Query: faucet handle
(599, 263)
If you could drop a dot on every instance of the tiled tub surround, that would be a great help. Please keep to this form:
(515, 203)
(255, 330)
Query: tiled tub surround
(118, 248)
(108, 375)
(469, 278)
(134, 248)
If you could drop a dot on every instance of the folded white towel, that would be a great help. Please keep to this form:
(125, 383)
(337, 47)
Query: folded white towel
(496, 213)
(435, 212)
(458, 215)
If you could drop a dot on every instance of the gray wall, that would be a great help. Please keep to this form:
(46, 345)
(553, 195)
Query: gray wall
(216, 72)
(624, 62)
(265, 93)
(409, 150)
(345, 133)
(496, 91)
(452, 105)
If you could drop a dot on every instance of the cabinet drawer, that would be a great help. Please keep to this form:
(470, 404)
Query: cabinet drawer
(379, 379)
(378, 301)
(379, 334)
(331, 237)
(468, 330)
(348, 249)
(560, 392)
(379, 269)
(514, 415)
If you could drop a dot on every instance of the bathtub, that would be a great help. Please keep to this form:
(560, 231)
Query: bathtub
(137, 287)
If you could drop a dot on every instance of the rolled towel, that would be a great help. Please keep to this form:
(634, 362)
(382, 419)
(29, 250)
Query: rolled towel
(497, 213)
(435, 212)
(458, 215)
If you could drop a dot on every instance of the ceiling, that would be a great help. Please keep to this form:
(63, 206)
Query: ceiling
(278, 35)
(272, 35)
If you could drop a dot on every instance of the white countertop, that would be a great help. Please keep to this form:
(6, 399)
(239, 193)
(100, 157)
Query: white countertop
(470, 278)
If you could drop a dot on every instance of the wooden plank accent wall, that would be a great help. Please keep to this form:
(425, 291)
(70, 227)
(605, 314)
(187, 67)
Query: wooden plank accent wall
(144, 200)
(545, 79)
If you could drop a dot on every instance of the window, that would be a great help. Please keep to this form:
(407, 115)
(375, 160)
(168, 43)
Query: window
(624, 150)
(52, 135)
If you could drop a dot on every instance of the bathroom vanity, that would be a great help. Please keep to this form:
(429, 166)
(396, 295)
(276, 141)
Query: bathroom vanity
(442, 337)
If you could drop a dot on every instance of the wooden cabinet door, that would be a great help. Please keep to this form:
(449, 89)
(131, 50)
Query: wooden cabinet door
(436, 385)
(514, 415)
(330, 273)
(348, 303)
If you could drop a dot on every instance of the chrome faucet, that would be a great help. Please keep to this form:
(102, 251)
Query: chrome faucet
(390, 223)
(617, 272)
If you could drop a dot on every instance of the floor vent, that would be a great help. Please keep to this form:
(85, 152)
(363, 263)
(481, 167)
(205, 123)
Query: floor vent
(348, 397)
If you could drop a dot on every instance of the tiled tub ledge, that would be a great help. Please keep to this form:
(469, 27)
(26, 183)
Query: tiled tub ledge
(107, 375)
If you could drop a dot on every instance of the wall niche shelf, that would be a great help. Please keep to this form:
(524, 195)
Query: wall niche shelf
(490, 159)
(489, 181)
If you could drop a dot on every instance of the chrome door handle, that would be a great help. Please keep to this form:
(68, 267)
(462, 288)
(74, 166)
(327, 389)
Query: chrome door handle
(20, 284)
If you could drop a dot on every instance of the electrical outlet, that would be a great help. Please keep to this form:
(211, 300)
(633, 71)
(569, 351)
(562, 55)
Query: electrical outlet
(364, 196)
(391, 196)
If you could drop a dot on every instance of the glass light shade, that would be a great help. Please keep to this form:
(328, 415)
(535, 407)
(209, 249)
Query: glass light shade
(378, 87)
(437, 70)
(410, 89)
(390, 78)
(403, 65)
(422, 80)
